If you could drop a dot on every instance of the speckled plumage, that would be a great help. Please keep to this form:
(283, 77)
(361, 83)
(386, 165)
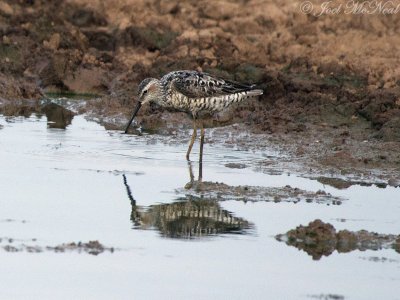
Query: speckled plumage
(193, 92)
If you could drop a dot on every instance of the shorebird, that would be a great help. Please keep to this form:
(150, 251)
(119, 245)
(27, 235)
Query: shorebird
(195, 93)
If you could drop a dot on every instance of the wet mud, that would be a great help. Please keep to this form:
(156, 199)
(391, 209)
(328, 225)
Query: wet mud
(91, 247)
(320, 239)
(57, 116)
(219, 191)
(222, 191)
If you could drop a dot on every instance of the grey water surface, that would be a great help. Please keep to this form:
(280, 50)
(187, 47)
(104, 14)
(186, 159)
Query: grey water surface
(85, 183)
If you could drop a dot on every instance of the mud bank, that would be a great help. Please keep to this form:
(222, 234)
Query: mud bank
(319, 239)
(106, 49)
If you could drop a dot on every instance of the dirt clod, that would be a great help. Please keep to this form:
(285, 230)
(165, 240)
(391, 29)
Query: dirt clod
(319, 239)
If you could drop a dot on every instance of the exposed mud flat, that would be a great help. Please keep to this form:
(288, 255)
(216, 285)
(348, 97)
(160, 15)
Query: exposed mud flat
(222, 191)
(319, 239)
(321, 156)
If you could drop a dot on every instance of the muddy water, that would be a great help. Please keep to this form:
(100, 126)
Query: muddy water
(84, 183)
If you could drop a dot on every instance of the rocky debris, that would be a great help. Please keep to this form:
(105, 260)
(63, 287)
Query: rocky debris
(222, 191)
(319, 239)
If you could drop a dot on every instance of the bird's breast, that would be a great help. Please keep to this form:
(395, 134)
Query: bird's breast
(179, 101)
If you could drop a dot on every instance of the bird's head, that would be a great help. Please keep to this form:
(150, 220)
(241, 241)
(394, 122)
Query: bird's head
(150, 90)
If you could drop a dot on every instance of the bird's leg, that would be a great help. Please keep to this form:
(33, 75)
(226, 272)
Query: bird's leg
(194, 135)
(201, 142)
(201, 152)
(192, 182)
(200, 171)
(191, 172)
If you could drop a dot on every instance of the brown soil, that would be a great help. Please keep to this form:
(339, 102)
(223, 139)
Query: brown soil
(319, 239)
(332, 88)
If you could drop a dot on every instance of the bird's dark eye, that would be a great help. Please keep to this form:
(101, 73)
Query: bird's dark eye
(144, 92)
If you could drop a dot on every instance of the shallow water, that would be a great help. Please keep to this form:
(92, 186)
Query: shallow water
(85, 183)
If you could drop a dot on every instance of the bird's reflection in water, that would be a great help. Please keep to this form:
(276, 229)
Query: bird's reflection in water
(57, 116)
(187, 218)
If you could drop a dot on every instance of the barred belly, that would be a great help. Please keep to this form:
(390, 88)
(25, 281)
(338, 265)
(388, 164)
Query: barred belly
(209, 104)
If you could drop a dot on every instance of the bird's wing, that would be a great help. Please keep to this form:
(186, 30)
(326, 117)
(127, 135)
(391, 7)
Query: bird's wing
(197, 84)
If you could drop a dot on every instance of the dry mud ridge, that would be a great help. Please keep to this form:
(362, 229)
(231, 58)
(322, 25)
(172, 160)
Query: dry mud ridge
(332, 88)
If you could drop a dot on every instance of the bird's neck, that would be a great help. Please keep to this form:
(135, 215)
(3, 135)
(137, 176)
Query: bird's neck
(158, 93)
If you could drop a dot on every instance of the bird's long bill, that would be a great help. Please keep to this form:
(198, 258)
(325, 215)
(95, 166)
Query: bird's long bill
(138, 105)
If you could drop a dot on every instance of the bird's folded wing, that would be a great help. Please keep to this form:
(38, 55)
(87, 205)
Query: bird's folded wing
(196, 85)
